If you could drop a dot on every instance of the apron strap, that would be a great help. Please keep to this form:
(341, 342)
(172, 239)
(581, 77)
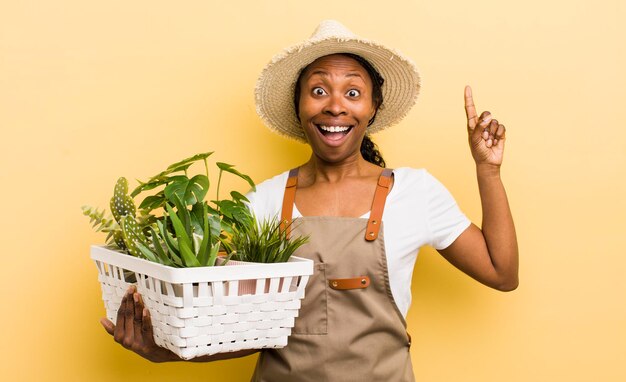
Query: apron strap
(288, 200)
(376, 214)
(378, 205)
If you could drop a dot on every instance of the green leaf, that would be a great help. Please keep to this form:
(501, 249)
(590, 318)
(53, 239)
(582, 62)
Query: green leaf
(234, 213)
(227, 228)
(158, 249)
(189, 160)
(153, 202)
(147, 253)
(238, 197)
(189, 258)
(101, 222)
(191, 191)
(183, 214)
(170, 242)
(198, 215)
(242, 215)
(184, 241)
(206, 236)
(163, 178)
(215, 248)
(177, 260)
(179, 228)
(152, 183)
(230, 168)
(215, 224)
(181, 167)
(226, 207)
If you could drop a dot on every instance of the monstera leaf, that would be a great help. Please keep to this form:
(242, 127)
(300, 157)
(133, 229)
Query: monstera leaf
(231, 169)
(164, 178)
(190, 191)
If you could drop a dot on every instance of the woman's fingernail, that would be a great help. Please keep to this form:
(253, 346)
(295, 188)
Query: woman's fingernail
(136, 297)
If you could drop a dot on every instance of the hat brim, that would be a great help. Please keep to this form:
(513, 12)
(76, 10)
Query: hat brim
(274, 92)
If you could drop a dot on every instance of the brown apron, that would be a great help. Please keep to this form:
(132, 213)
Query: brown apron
(349, 327)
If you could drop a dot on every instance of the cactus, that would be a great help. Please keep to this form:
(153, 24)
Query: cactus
(133, 235)
(118, 239)
(121, 203)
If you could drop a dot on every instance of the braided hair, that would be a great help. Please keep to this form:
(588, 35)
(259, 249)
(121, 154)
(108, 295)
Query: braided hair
(369, 150)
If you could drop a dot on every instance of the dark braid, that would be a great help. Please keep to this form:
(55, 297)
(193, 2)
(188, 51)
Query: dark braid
(369, 150)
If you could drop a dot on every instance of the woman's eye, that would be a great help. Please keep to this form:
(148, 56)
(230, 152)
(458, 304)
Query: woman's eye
(319, 91)
(353, 93)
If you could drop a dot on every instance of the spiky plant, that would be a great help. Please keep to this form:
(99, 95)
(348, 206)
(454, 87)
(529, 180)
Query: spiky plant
(264, 242)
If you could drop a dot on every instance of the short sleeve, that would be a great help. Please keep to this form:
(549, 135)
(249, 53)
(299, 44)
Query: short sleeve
(266, 201)
(445, 219)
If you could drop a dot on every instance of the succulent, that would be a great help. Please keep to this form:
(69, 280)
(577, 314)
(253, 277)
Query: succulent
(133, 235)
(121, 203)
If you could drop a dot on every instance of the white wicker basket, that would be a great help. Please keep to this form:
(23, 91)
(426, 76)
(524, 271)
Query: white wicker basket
(201, 311)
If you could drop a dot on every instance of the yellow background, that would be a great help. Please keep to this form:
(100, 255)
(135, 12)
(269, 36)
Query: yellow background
(93, 90)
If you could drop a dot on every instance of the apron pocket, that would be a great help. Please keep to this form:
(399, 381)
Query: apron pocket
(313, 315)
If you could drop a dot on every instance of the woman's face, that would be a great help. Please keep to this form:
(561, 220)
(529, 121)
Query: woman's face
(335, 106)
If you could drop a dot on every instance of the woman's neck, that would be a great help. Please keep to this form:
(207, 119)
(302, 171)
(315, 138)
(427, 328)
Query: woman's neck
(317, 170)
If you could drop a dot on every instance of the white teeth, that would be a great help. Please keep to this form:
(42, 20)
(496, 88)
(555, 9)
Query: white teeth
(335, 129)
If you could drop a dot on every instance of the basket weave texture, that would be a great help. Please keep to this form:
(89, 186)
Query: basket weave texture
(208, 310)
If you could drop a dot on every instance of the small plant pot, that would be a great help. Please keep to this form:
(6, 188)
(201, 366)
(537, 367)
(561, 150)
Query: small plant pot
(250, 286)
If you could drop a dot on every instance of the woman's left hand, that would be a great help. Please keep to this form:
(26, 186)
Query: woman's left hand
(490, 255)
(486, 135)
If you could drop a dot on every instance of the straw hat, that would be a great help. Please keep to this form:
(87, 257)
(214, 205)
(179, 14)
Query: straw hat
(275, 87)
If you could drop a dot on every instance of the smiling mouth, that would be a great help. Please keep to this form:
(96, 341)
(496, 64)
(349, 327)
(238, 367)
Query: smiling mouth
(334, 133)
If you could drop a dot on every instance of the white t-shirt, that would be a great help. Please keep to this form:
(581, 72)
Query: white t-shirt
(419, 211)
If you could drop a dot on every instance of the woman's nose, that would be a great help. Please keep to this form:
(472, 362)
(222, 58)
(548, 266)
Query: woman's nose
(335, 106)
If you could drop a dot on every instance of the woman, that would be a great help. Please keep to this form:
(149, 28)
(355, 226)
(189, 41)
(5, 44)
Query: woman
(365, 223)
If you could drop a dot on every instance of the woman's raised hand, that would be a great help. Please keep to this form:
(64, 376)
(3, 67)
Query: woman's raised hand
(133, 329)
(486, 135)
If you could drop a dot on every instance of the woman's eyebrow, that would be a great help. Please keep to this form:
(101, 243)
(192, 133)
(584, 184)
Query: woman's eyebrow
(325, 74)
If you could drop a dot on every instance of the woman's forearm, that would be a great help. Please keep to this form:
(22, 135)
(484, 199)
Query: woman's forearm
(497, 226)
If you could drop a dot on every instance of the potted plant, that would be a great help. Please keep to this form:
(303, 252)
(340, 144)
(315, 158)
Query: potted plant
(170, 247)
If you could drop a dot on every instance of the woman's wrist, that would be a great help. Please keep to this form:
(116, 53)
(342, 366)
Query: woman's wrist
(487, 170)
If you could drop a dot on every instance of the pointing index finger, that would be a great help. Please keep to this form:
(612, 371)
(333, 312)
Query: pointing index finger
(470, 109)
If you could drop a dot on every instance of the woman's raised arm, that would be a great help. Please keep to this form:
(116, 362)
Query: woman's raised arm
(490, 254)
